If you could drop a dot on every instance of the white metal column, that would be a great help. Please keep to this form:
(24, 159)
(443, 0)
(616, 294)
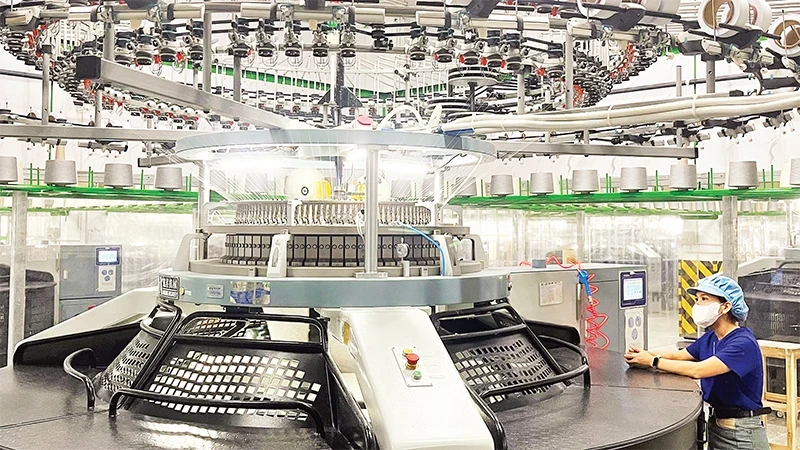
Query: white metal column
(730, 236)
(371, 214)
(16, 300)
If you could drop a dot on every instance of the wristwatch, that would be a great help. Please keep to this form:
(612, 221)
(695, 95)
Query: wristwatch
(656, 359)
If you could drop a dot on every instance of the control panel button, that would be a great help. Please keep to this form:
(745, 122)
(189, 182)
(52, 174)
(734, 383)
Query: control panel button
(104, 272)
(413, 371)
(107, 278)
(110, 271)
(411, 361)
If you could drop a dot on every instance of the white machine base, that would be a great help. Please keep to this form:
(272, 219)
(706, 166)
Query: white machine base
(435, 411)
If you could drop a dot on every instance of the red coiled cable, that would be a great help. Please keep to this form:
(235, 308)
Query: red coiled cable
(595, 320)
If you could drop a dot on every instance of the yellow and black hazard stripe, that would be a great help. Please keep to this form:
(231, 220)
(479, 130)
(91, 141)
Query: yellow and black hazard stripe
(689, 273)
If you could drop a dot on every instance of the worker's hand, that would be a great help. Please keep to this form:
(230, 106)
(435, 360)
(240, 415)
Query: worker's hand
(636, 357)
(633, 349)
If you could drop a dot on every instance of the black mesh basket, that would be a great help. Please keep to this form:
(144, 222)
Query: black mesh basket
(237, 377)
(126, 368)
(501, 359)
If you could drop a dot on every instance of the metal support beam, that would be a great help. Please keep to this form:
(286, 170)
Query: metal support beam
(208, 56)
(790, 212)
(711, 76)
(520, 93)
(16, 301)
(339, 188)
(671, 85)
(45, 110)
(44, 132)
(730, 236)
(237, 79)
(155, 161)
(108, 54)
(371, 214)
(679, 93)
(98, 107)
(333, 62)
(340, 94)
(438, 186)
(203, 199)
(569, 70)
(581, 231)
(525, 149)
(149, 85)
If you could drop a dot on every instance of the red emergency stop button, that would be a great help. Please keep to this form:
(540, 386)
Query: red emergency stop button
(411, 361)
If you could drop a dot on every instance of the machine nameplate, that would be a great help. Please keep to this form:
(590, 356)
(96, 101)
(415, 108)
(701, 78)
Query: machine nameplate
(551, 293)
(216, 291)
(169, 287)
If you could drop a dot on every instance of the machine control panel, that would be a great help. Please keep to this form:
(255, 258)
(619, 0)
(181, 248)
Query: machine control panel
(107, 261)
(634, 327)
(411, 366)
(633, 289)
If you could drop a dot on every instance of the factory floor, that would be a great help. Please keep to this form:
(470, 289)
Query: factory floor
(662, 336)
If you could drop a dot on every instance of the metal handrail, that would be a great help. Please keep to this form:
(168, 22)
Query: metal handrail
(214, 403)
(74, 373)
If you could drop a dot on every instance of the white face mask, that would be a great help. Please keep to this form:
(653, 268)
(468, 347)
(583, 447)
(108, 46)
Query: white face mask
(705, 315)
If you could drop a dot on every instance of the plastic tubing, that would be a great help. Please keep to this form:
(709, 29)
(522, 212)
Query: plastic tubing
(620, 117)
(435, 244)
(398, 110)
(638, 110)
(618, 111)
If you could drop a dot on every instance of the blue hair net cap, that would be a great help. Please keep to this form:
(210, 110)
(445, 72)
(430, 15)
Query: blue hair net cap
(727, 289)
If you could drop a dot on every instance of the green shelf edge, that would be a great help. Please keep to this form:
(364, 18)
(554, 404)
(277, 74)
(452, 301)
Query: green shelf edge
(78, 192)
(520, 202)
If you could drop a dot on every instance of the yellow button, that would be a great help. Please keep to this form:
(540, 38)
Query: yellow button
(407, 351)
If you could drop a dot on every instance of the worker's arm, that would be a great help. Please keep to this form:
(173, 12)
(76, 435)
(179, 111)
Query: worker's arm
(678, 355)
(706, 368)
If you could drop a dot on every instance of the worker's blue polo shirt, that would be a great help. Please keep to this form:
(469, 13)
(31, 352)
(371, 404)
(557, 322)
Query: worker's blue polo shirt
(741, 387)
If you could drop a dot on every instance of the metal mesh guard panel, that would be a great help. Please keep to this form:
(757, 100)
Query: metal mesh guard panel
(499, 363)
(239, 374)
(127, 365)
(783, 289)
(222, 327)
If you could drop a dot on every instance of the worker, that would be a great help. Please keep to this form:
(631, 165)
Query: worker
(727, 361)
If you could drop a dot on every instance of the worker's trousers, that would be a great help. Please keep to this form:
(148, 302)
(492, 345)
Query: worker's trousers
(734, 434)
